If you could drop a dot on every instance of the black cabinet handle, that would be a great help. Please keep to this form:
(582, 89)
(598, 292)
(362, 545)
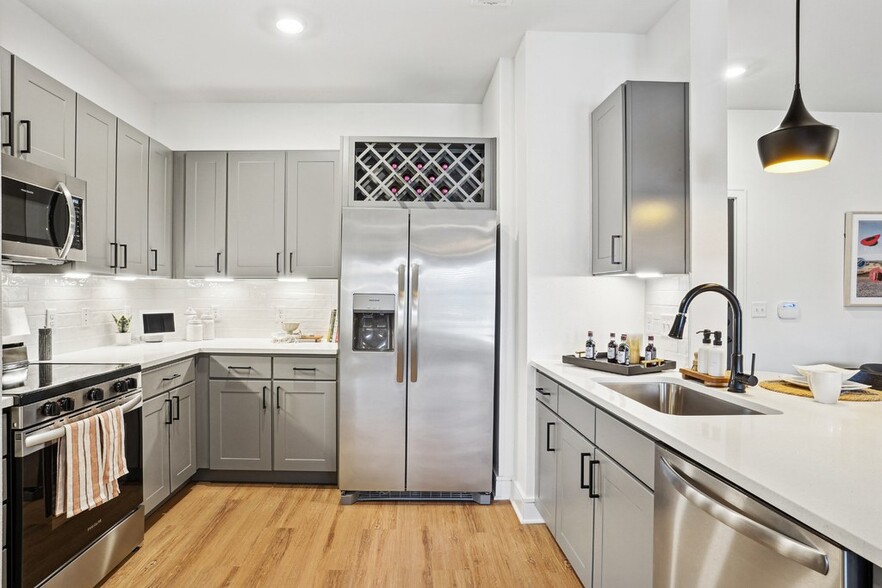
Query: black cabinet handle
(240, 367)
(155, 267)
(300, 369)
(125, 252)
(548, 426)
(218, 262)
(278, 397)
(543, 392)
(172, 377)
(115, 254)
(278, 262)
(582, 483)
(592, 479)
(264, 397)
(8, 117)
(27, 124)
(169, 421)
(177, 416)
(291, 262)
(612, 250)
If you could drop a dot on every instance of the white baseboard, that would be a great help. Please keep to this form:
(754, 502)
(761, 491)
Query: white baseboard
(503, 489)
(526, 510)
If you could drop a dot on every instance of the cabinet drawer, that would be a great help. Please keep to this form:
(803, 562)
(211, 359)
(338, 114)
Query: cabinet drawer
(169, 376)
(578, 412)
(633, 450)
(305, 368)
(546, 391)
(240, 367)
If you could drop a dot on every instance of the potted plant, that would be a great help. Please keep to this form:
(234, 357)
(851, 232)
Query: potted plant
(123, 323)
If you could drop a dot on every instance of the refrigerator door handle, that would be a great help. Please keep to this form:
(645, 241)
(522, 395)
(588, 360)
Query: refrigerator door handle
(414, 320)
(401, 321)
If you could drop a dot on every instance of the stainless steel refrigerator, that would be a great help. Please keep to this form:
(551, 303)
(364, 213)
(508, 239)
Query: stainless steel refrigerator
(417, 354)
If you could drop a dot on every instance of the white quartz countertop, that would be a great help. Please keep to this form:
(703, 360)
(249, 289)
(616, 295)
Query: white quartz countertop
(154, 354)
(820, 464)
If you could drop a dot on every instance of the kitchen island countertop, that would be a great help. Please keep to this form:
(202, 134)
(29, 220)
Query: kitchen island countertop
(821, 464)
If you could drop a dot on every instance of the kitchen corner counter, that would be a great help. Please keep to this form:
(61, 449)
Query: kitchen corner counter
(820, 464)
(154, 354)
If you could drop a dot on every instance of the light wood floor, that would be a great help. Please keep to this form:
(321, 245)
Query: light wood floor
(261, 535)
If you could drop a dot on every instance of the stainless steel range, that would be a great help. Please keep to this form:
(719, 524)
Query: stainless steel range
(50, 550)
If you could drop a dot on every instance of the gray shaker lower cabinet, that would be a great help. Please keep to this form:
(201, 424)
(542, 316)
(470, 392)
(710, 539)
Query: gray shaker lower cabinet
(155, 417)
(240, 425)
(305, 428)
(547, 425)
(622, 528)
(575, 509)
(182, 435)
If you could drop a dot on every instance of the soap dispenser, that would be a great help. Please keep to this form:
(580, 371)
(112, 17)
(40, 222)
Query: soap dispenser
(716, 363)
(704, 350)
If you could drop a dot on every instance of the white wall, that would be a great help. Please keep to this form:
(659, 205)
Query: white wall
(241, 126)
(795, 246)
(28, 36)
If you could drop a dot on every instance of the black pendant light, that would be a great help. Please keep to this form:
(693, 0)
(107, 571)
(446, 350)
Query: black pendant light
(801, 142)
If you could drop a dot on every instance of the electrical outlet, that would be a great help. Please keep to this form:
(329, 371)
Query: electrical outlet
(50, 317)
(215, 312)
(280, 313)
(84, 314)
(758, 310)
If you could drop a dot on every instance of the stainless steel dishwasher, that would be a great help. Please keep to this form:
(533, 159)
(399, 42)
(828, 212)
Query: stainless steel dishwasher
(709, 533)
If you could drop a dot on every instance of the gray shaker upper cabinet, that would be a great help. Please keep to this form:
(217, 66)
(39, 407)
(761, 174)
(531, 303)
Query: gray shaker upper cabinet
(312, 235)
(256, 214)
(205, 214)
(640, 179)
(6, 100)
(132, 160)
(45, 118)
(159, 211)
(96, 165)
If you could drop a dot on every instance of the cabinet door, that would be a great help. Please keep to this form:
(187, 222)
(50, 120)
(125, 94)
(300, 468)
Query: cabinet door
(182, 437)
(155, 417)
(45, 118)
(159, 211)
(6, 133)
(608, 184)
(205, 214)
(312, 233)
(132, 159)
(96, 165)
(622, 528)
(256, 219)
(575, 507)
(546, 464)
(240, 426)
(305, 426)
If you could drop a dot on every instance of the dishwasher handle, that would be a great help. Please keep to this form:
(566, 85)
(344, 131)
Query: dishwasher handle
(802, 554)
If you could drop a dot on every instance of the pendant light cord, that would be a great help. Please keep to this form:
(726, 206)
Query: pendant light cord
(797, 43)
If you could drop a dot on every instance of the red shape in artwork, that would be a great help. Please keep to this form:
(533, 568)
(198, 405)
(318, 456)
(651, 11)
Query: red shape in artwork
(876, 275)
(871, 241)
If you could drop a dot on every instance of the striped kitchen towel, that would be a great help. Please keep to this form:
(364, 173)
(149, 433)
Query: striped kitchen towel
(113, 444)
(79, 468)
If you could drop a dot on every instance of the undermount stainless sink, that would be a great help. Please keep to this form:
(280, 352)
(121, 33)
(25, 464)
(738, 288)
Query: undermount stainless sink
(673, 398)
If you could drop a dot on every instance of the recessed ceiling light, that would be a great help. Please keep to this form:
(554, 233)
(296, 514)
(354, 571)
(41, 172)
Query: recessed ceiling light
(289, 26)
(735, 71)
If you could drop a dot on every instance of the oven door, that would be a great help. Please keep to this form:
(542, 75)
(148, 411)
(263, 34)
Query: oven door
(43, 543)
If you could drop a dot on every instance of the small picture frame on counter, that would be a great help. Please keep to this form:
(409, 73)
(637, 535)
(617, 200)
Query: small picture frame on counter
(863, 259)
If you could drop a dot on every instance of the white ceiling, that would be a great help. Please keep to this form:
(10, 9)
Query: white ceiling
(353, 50)
(841, 54)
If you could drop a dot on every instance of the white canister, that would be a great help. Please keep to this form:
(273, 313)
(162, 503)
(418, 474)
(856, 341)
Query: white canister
(194, 329)
(207, 327)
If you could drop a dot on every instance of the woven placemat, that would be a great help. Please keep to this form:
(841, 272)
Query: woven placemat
(867, 395)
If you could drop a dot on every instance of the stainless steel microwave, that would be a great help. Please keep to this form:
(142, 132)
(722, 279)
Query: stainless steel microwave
(43, 214)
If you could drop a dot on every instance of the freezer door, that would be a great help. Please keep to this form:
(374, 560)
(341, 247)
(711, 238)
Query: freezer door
(373, 389)
(452, 324)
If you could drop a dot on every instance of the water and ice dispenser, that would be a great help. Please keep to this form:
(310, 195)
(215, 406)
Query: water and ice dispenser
(373, 322)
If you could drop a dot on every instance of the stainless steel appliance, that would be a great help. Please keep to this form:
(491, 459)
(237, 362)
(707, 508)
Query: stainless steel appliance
(48, 550)
(43, 214)
(709, 533)
(417, 354)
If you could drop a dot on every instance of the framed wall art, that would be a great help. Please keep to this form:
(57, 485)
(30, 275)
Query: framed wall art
(863, 259)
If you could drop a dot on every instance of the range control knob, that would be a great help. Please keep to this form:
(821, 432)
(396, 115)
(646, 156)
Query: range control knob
(50, 409)
(119, 386)
(95, 394)
(131, 383)
(66, 403)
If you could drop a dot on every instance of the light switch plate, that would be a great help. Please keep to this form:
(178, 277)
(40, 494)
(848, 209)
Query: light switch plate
(758, 310)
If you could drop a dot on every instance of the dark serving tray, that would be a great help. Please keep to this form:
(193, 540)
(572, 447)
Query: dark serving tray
(624, 370)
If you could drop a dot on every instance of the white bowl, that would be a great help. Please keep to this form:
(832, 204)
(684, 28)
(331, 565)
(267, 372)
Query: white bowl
(290, 328)
(805, 370)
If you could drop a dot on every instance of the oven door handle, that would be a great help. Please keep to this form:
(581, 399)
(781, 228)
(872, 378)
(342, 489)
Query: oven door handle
(72, 226)
(58, 432)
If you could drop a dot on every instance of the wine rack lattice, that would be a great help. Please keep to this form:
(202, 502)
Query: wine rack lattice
(420, 172)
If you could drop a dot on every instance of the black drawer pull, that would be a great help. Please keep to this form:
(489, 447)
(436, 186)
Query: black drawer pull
(240, 367)
(582, 483)
(300, 369)
(170, 419)
(592, 479)
(177, 416)
(548, 426)
(543, 392)
(27, 124)
(170, 378)
(8, 117)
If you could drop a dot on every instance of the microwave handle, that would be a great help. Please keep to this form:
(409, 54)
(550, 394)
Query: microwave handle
(68, 243)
